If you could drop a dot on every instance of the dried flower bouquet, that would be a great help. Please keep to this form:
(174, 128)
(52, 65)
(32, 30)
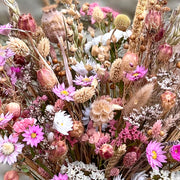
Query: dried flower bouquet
(86, 95)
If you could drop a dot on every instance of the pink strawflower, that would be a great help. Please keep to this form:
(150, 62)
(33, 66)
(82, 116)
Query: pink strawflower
(175, 152)
(84, 81)
(5, 29)
(33, 136)
(21, 126)
(94, 138)
(156, 129)
(60, 177)
(63, 93)
(137, 74)
(155, 154)
(4, 119)
(129, 159)
(106, 151)
(91, 8)
(9, 149)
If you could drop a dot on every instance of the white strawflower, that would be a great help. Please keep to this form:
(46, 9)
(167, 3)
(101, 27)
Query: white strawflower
(62, 122)
(80, 69)
(139, 176)
(119, 177)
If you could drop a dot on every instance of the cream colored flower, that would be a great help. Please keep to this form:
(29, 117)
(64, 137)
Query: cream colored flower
(18, 46)
(97, 14)
(84, 94)
(101, 112)
(44, 47)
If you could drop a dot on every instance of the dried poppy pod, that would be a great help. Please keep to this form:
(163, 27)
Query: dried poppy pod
(53, 23)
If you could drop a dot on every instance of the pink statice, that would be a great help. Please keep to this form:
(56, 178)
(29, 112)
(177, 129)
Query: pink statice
(5, 54)
(155, 154)
(156, 129)
(112, 127)
(130, 133)
(60, 177)
(130, 159)
(84, 81)
(5, 29)
(175, 152)
(114, 172)
(137, 74)
(22, 125)
(33, 136)
(107, 10)
(4, 119)
(9, 149)
(63, 93)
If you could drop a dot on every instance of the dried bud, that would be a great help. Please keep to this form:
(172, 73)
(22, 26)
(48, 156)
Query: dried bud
(80, 27)
(153, 21)
(13, 108)
(106, 151)
(27, 22)
(11, 175)
(165, 53)
(53, 23)
(85, 7)
(59, 149)
(162, 133)
(168, 99)
(50, 136)
(78, 129)
(159, 35)
(95, 51)
(178, 64)
(70, 21)
(149, 132)
(122, 22)
(46, 78)
(129, 61)
(129, 159)
(20, 60)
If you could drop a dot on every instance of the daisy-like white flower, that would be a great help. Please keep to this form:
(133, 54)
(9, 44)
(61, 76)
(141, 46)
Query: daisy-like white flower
(63, 93)
(33, 136)
(9, 149)
(137, 74)
(60, 177)
(62, 122)
(84, 81)
(80, 69)
(4, 119)
(155, 154)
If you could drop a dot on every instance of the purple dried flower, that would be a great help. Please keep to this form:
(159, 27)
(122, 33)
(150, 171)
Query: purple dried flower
(60, 177)
(5, 54)
(137, 74)
(63, 93)
(5, 29)
(4, 119)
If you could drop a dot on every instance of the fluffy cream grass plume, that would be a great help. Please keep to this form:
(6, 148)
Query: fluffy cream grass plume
(140, 98)
(116, 71)
(18, 46)
(84, 94)
(44, 47)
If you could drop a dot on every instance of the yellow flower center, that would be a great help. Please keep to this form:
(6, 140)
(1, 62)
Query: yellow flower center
(7, 148)
(86, 79)
(64, 92)
(61, 124)
(1, 119)
(154, 156)
(33, 135)
(176, 151)
(135, 74)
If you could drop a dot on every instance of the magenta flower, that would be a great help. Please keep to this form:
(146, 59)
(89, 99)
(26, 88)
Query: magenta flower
(9, 149)
(21, 126)
(63, 93)
(33, 136)
(60, 177)
(4, 119)
(137, 74)
(84, 81)
(155, 154)
(5, 29)
(107, 10)
(175, 152)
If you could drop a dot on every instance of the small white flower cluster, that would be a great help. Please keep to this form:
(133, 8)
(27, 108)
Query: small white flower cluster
(147, 113)
(165, 174)
(167, 79)
(76, 171)
(104, 38)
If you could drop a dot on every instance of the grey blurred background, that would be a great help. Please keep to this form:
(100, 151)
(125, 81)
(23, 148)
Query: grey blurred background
(34, 7)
